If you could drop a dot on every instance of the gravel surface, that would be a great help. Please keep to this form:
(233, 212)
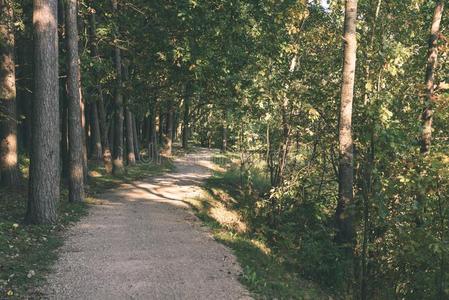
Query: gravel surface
(145, 243)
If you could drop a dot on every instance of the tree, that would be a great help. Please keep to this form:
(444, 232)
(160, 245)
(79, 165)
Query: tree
(345, 207)
(9, 172)
(44, 187)
(76, 173)
(118, 166)
(432, 59)
(105, 143)
(129, 138)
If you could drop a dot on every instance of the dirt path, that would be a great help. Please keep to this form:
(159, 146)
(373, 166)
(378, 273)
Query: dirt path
(145, 243)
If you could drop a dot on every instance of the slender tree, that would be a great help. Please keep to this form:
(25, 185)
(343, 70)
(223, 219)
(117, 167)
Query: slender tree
(135, 138)
(129, 138)
(105, 145)
(76, 177)
(345, 210)
(186, 117)
(44, 188)
(118, 166)
(432, 59)
(8, 111)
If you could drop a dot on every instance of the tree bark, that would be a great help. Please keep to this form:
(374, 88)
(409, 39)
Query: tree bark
(136, 139)
(118, 166)
(224, 145)
(107, 155)
(186, 121)
(169, 134)
(44, 190)
(97, 151)
(432, 59)
(129, 138)
(8, 107)
(345, 234)
(153, 144)
(76, 165)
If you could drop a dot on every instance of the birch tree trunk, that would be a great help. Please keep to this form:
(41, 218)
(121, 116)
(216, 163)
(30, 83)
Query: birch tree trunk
(344, 213)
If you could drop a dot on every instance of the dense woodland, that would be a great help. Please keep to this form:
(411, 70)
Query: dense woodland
(341, 108)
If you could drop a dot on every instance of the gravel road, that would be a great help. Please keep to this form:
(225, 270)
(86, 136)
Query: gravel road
(143, 242)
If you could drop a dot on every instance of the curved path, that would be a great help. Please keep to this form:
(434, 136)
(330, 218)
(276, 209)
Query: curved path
(143, 242)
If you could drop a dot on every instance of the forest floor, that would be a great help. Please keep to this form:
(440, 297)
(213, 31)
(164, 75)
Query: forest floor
(142, 240)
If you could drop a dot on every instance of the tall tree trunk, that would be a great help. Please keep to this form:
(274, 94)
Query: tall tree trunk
(76, 174)
(160, 126)
(84, 128)
(97, 151)
(111, 132)
(8, 123)
(169, 134)
(136, 139)
(107, 156)
(153, 144)
(344, 213)
(129, 138)
(186, 121)
(64, 130)
(432, 59)
(63, 98)
(118, 166)
(44, 190)
(224, 144)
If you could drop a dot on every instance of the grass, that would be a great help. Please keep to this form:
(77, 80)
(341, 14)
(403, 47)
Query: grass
(27, 252)
(229, 212)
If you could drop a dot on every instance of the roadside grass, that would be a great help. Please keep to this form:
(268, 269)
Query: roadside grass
(28, 252)
(230, 213)
(100, 181)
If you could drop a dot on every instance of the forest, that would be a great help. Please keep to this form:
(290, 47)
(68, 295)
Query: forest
(331, 119)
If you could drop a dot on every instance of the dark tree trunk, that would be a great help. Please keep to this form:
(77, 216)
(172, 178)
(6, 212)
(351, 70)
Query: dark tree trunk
(160, 126)
(8, 121)
(224, 145)
(63, 97)
(136, 139)
(107, 156)
(44, 189)
(118, 166)
(111, 132)
(432, 57)
(24, 71)
(186, 123)
(129, 138)
(84, 129)
(145, 131)
(97, 151)
(345, 235)
(64, 130)
(153, 144)
(169, 134)
(76, 173)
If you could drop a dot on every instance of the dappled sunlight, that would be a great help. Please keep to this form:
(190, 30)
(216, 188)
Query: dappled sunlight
(10, 159)
(43, 17)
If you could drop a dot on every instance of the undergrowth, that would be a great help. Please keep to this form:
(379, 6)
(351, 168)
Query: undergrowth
(231, 212)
